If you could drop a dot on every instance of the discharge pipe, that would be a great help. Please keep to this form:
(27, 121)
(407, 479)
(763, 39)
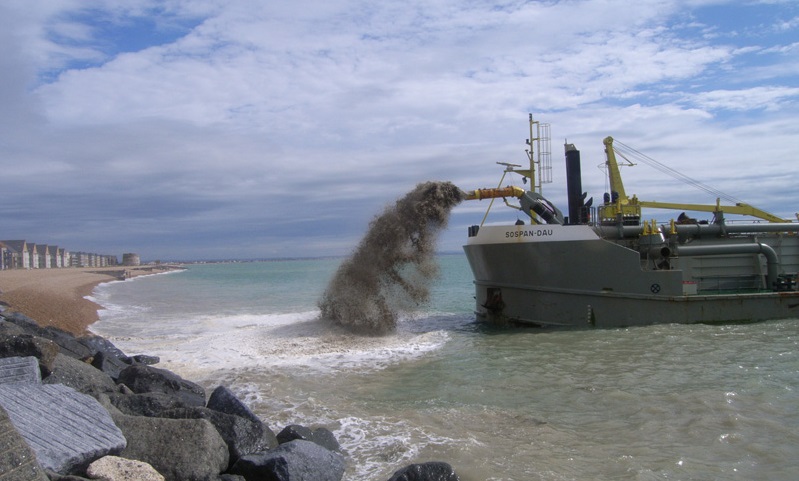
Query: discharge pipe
(509, 191)
(772, 261)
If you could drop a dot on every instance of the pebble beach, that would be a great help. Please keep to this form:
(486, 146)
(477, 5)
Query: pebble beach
(57, 297)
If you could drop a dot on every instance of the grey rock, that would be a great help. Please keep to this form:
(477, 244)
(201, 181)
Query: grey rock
(67, 343)
(106, 356)
(150, 404)
(223, 400)
(242, 436)
(293, 461)
(114, 468)
(144, 359)
(100, 344)
(142, 378)
(24, 345)
(66, 429)
(108, 364)
(179, 449)
(432, 471)
(9, 328)
(20, 369)
(23, 322)
(17, 461)
(80, 376)
(320, 436)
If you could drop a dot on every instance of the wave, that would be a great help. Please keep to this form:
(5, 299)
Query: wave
(202, 345)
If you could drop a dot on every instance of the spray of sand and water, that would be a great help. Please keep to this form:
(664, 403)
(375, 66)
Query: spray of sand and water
(391, 269)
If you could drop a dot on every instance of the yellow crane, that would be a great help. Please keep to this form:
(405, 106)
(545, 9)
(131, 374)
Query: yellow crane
(627, 210)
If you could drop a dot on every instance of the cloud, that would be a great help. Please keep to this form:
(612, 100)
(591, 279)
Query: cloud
(251, 129)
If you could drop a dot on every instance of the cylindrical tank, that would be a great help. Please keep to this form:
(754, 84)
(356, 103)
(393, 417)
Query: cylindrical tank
(130, 259)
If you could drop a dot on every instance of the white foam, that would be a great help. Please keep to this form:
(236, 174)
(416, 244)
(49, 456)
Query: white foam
(215, 343)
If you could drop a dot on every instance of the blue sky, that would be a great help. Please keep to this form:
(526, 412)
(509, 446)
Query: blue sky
(240, 129)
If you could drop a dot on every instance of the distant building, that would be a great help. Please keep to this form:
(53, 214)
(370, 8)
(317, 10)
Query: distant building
(130, 259)
(21, 254)
(17, 255)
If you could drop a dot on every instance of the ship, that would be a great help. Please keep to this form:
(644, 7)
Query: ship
(609, 266)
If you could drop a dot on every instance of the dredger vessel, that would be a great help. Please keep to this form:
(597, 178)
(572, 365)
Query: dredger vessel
(606, 266)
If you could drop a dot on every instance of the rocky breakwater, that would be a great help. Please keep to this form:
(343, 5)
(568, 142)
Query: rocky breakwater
(75, 408)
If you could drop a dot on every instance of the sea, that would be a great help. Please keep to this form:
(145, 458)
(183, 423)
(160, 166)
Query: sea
(663, 402)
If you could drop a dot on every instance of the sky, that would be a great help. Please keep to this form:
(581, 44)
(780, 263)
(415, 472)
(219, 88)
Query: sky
(241, 129)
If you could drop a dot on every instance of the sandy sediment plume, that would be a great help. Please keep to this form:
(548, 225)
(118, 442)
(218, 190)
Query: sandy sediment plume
(56, 297)
(391, 269)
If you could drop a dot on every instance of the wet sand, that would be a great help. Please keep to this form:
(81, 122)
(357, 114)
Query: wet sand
(56, 297)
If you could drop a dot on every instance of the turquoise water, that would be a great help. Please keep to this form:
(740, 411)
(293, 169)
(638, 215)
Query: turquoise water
(661, 402)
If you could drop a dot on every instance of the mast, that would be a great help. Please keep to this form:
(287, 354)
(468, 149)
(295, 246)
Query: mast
(539, 155)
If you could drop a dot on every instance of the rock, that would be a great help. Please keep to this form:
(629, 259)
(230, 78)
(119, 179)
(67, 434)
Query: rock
(223, 400)
(433, 471)
(108, 364)
(179, 449)
(75, 347)
(23, 322)
(106, 356)
(150, 404)
(144, 359)
(243, 436)
(113, 468)
(17, 461)
(292, 461)
(325, 438)
(320, 436)
(20, 369)
(66, 429)
(9, 328)
(24, 345)
(97, 344)
(67, 343)
(80, 376)
(142, 378)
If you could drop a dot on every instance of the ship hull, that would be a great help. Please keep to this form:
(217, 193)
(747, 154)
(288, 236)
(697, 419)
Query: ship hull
(568, 276)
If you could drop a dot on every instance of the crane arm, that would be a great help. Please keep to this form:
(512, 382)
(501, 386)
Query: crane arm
(614, 176)
(741, 209)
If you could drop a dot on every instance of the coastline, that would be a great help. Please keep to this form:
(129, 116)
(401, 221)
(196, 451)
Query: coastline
(57, 297)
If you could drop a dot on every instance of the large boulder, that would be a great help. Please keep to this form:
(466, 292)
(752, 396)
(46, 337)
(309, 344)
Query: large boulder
(320, 436)
(23, 322)
(142, 378)
(432, 471)
(150, 404)
(66, 429)
(224, 401)
(179, 449)
(9, 328)
(243, 436)
(17, 461)
(293, 461)
(80, 376)
(67, 343)
(24, 345)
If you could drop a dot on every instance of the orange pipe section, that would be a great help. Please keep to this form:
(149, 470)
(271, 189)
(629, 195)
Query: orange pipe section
(510, 191)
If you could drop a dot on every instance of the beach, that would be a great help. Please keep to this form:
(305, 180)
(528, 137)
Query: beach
(57, 297)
